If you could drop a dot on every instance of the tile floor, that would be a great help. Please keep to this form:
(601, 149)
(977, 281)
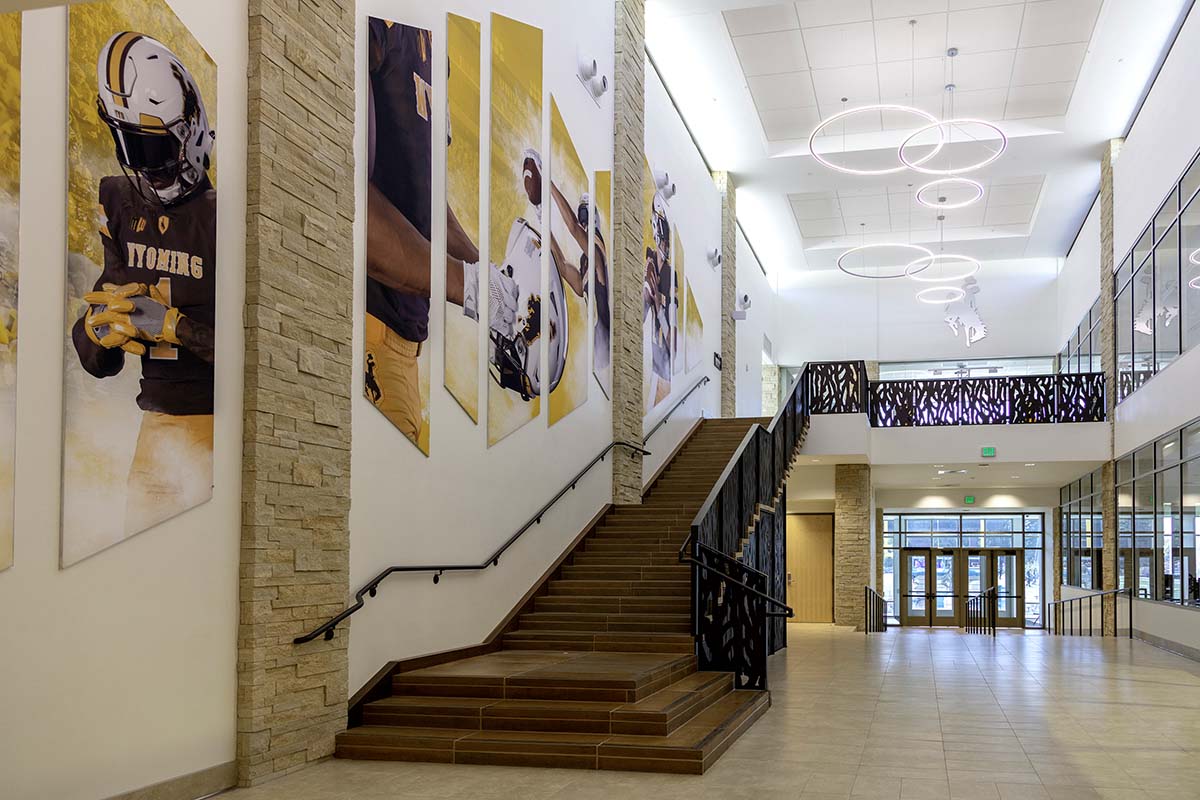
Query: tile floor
(907, 715)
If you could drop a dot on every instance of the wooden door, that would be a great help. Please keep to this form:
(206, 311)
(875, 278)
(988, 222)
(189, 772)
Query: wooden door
(810, 566)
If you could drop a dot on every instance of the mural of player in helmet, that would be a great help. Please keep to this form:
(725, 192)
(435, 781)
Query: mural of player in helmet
(138, 423)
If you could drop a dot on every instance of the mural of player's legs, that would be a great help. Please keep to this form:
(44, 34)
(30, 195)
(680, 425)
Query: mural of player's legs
(602, 288)
(10, 189)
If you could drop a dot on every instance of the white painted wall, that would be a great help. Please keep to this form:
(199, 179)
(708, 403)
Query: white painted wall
(1078, 283)
(829, 316)
(1164, 402)
(464, 500)
(119, 672)
(1177, 628)
(1033, 498)
(760, 321)
(1161, 143)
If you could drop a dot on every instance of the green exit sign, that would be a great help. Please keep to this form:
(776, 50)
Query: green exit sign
(989, 452)
(969, 499)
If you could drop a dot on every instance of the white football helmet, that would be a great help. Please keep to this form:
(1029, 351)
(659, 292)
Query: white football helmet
(154, 109)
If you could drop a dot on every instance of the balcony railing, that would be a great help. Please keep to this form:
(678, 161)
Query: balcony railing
(841, 387)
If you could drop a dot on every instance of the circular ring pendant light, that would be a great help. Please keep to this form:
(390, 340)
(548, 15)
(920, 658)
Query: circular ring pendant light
(878, 107)
(923, 253)
(918, 164)
(941, 185)
(941, 295)
(1194, 257)
(965, 266)
(1194, 283)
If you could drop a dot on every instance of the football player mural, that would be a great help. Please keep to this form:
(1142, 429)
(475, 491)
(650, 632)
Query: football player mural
(10, 189)
(658, 312)
(602, 287)
(142, 272)
(515, 304)
(399, 213)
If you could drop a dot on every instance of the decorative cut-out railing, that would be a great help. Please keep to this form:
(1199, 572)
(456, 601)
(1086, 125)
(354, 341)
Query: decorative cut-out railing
(842, 388)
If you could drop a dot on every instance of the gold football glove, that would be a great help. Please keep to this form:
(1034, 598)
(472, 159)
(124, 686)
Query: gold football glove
(107, 321)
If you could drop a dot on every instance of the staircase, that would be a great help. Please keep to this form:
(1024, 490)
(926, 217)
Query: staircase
(599, 671)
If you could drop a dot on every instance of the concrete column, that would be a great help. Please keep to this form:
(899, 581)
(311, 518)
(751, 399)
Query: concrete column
(728, 293)
(851, 542)
(627, 257)
(291, 699)
(1108, 494)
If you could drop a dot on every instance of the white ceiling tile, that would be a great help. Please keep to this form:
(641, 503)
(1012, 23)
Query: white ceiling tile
(868, 206)
(788, 90)
(969, 217)
(875, 223)
(960, 5)
(840, 45)
(1009, 215)
(859, 84)
(982, 104)
(814, 13)
(903, 121)
(762, 19)
(1046, 100)
(783, 124)
(821, 227)
(826, 207)
(894, 38)
(799, 197)
(983, 29)
(1018, 180)
(895, 80)
(1020, 194)
(901, 205)
(1048, 64)
(983, 70)
(907, 8)
(1058, 21)
(770, 53)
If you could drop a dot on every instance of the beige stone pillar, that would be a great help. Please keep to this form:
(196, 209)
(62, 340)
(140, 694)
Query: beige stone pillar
(728, 293)
(851, 542)
(770, 390)
(1108, 494)
(291, 699)
(879, 550)
(1056, 576)
(872, 370)
(628, 260)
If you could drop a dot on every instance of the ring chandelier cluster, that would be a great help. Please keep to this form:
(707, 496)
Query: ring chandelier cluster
(939, 269)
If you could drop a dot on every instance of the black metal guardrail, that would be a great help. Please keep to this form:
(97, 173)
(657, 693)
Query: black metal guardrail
(876, 611)
(1064, 615)
(372, 586)
(982, 612)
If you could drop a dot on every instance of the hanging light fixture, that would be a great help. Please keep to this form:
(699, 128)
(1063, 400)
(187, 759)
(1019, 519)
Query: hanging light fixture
(967, 267)
(900, 272)
(945, 136)
(941, 295)
(878, 108)
(940, 187)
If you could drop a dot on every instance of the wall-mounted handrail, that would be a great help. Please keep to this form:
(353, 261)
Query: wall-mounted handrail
(372, 586)
(674, 408)
(1063, 613)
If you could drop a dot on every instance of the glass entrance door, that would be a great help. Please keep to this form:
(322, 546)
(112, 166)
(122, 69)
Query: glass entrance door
(1009, 580)
(914, 593)
(945, 591)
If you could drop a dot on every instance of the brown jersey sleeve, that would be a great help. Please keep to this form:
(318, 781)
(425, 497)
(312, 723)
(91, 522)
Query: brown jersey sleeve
(98, 361)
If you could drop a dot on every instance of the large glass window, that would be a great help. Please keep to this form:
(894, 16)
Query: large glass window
(1082, 351)
(1158, 494)
(1157, 289)
(1082, 535)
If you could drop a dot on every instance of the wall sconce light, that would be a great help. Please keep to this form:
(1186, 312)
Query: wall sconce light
(664, 185)
(714, 257)
(589, 75)
(743, 305)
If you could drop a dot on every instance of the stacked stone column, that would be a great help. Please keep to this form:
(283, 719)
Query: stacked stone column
(728, 293)
(851, 542)
(1108, 496)
(298, 329)
(626, 254)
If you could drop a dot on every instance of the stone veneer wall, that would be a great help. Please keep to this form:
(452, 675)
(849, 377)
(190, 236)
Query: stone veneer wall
(770, 390)
(1108, 494)
(851, 542)
(298, 326)
(879, 551)
(627, 256)
(728, 293)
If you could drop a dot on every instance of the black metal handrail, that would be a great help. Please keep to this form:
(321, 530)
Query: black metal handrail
(982, 612)
(685, 558)
(1063, 613)
(493, 560)
(675, 407)
(876, 611)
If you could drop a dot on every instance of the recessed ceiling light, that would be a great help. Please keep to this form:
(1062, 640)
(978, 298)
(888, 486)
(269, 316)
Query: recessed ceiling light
(938, 465)
(816, 461)
(1031, 465)
(937, 479)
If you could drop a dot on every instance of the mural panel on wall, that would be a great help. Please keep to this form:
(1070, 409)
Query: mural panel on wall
(678, 331)
(10, 190)
(568, 275)
(399, 213)
(694, 347)
(658, 317)
(601, 286)
(141, 274)
(515, 307)
(463, 94)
